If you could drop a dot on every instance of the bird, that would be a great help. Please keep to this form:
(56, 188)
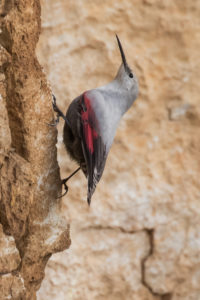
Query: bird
(91, 122)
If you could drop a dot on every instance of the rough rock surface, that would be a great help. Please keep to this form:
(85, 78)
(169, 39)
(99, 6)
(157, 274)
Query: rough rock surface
(140, 238)
(31, 224)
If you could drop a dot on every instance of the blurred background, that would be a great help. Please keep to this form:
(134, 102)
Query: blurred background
(140, 239)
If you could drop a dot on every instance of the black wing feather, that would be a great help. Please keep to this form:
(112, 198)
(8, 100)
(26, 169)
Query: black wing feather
(93, 147)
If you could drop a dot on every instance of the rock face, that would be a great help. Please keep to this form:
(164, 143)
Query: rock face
(140, 238)
(31, 224)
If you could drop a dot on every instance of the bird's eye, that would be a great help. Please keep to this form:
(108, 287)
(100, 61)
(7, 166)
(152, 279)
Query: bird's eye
(131, 75)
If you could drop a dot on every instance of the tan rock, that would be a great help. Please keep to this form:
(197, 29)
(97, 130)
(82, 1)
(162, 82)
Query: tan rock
(96, 271)
(12, 287)
(32, 226)
(9, 255)
(151, 180)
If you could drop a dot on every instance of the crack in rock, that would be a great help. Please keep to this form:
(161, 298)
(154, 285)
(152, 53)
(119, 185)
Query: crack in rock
(167, 296)
(150, 233)
(117, 228)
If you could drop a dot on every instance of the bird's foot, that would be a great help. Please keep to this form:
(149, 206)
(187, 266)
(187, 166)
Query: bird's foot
(65, 180)
(57, 110)
(65, 186)
(59, 113)
(55, 107)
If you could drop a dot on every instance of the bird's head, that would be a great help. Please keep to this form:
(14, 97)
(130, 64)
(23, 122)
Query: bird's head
(125, 75)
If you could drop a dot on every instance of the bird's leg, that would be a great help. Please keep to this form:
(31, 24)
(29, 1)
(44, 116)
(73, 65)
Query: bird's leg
(65, 180)
(58, 111)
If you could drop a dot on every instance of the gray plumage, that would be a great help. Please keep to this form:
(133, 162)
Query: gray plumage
(93, 118)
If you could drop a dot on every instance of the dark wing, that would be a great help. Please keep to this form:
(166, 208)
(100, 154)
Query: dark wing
(93, 147)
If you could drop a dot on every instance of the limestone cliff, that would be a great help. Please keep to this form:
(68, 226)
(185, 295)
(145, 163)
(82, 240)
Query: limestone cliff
(31, 224)
(140, 238)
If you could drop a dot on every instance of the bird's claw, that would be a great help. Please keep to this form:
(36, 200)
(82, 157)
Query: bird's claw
(57, 110)
(66, 188)
(55, 107)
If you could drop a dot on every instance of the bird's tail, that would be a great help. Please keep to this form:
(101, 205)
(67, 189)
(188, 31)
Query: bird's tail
(93, 179)
(91, 189)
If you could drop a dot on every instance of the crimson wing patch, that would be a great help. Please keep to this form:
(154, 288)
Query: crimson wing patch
(93, 147)
(89, 122)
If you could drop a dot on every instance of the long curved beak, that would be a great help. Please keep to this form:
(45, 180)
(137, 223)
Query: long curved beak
(122, 53)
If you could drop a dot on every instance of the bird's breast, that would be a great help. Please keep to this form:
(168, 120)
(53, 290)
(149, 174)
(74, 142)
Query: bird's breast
(108, 114)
